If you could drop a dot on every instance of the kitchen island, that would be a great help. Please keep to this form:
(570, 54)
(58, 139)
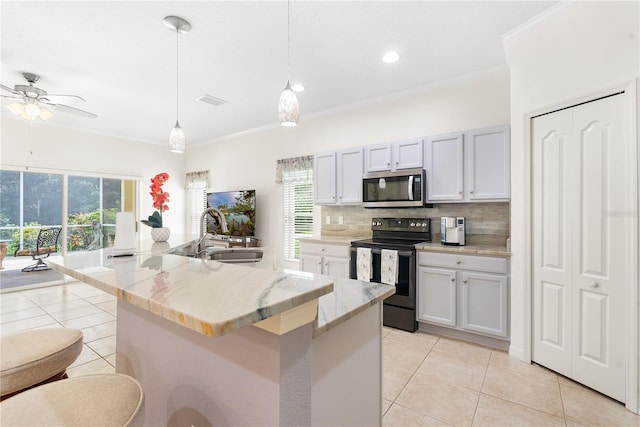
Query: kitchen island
(222, 344)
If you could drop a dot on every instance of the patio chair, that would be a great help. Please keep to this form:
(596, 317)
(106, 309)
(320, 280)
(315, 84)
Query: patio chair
(46, 244)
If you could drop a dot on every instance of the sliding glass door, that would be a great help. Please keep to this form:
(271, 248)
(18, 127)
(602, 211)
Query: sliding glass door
(30, 201)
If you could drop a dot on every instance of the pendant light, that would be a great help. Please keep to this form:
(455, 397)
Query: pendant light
(288, 108)
(177, 139)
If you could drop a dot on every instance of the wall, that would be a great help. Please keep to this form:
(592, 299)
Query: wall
(248, 160)
(43, 147)
(575, 50)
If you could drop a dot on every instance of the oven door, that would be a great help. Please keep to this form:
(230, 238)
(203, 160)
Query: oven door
(405, 295)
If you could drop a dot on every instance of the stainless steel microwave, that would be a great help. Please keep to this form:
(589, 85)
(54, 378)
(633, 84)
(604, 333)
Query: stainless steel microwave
(403, 188)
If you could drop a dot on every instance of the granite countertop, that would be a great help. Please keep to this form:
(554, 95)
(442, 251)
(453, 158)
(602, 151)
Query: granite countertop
(213, 298)
(208, 297)
(332, 240)
(500, 251)
(349, 297)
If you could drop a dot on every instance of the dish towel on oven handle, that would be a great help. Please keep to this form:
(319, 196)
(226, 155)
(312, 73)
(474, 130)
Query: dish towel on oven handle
(363, 264)
(389, 267)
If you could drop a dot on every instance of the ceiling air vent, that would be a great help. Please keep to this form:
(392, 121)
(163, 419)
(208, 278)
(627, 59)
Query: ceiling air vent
(212, 100)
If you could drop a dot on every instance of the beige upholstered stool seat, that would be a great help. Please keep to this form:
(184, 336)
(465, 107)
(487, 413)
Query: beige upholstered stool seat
(33, 357)
(92, 400)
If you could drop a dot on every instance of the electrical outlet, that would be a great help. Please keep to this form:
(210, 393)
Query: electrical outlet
(340, 219)
(328, 221)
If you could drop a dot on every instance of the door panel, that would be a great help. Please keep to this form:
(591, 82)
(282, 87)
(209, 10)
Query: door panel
(600, 279)
(553, 305)
(552, 265)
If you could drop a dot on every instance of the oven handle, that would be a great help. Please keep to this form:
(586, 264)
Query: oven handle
(407, 254)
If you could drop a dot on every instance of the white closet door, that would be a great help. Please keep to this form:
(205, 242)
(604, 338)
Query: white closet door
(579, 263)
(599, 261)
(552, 264)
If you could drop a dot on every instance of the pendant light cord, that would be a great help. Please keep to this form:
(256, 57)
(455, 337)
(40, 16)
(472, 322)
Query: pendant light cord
(288, 40)
(177, 79)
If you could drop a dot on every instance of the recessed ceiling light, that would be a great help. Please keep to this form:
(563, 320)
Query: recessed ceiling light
(390, 57)
(297, 87)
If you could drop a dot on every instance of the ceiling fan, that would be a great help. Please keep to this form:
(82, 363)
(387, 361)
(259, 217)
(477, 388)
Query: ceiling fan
(33, 101)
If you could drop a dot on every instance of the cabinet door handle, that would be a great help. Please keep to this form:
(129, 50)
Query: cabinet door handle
(319, 262)
(388, 164)
(460, 192)
(322, 250)
(326, 264)
(397, 163)
(464, 281)
(453, 279)
(471, 191)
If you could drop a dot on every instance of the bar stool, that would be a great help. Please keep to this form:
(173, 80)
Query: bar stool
(32, 358)
(101, 400)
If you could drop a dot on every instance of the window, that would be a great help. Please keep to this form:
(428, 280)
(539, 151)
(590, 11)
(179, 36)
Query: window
(30, 201)
(196, 184)
(297, 180)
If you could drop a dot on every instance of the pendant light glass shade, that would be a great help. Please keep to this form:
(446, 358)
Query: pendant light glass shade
(288, 107)
(177, 139)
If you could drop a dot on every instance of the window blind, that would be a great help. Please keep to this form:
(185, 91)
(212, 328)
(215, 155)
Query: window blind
(298, 210)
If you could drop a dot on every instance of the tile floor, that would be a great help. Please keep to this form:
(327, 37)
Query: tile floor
(428, 380)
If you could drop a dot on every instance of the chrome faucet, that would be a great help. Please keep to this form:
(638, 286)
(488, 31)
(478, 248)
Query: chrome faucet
(203, 232)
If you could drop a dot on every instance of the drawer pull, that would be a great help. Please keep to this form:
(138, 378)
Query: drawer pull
(458, 262)
(594, 284)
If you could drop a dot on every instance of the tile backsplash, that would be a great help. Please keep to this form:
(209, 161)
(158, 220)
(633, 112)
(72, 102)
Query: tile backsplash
(486, 223)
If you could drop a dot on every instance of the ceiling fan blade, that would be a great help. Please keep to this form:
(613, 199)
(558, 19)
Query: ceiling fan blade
(51, 95)
(8, 89)
(19, 98)
(72, 110)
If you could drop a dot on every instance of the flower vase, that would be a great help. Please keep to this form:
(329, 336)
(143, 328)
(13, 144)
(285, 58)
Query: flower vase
(160, 234)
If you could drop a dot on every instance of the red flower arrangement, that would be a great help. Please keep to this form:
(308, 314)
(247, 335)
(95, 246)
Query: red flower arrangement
(160, 200)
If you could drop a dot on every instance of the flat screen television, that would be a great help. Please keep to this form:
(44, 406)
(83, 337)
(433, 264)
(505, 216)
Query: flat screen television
(239, 210)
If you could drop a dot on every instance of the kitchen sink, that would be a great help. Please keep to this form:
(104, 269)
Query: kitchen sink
(227, 255)
(233, 255)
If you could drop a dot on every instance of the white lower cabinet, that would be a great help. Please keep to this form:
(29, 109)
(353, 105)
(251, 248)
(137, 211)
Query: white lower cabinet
(325, 258)
(464, 292)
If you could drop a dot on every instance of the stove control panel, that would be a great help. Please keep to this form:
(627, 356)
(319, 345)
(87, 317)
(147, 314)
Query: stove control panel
(401, 224)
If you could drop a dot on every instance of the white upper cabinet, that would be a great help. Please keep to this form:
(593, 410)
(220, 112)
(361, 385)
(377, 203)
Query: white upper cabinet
(337, 177)
(377, 158)
(405, 154)
(349, 174)
(324, 178)
(489, 163)
(444, 161)
(471, 166)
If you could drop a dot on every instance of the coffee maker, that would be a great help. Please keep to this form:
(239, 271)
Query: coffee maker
(452, 230)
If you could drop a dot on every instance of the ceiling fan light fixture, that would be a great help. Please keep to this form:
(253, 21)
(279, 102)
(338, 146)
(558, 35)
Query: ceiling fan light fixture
(288, 107)
(45, 114)
(16, 108)
(32, 110)
(177, 140)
